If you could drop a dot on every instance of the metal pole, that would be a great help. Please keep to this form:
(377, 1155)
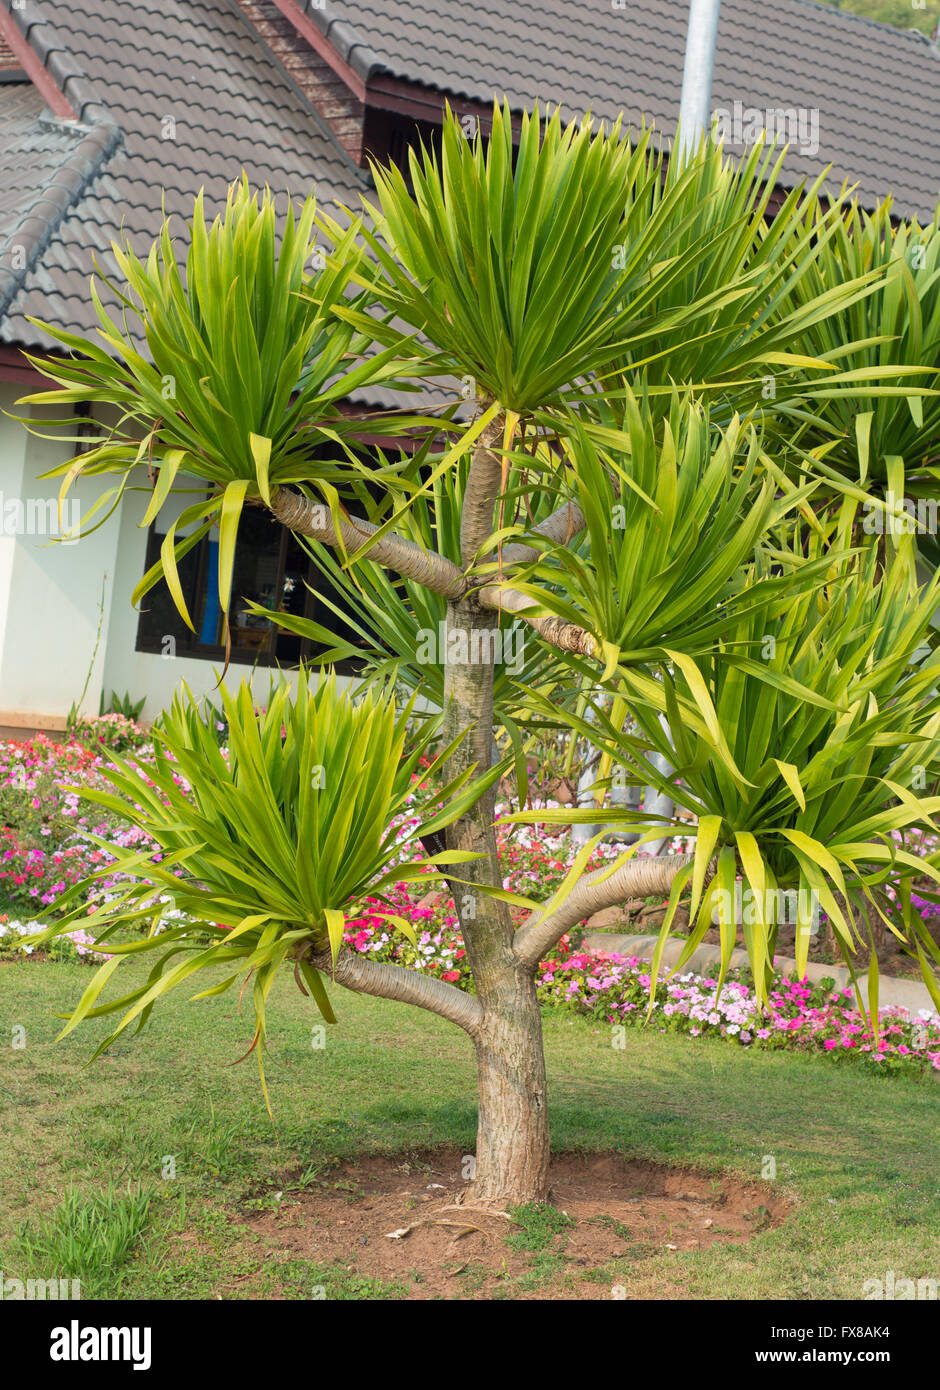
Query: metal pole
(695, 107)
(656, 803)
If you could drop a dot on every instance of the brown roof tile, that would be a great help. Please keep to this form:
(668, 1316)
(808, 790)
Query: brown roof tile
(140, 62)
(876, 89)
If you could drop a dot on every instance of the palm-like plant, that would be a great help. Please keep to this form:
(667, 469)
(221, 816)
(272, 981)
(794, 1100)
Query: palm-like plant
(573, 290)
(270, 848)
(876, 441)
(582, 262)
(506, 261)
(736, 322)
(672, 511)
(243, 378)
(827, 704)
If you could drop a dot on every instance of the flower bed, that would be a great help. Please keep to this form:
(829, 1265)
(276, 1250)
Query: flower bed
(114, 731)
(48, 849)
(45, 843)
(801, 1016)
(75, 946)
(34, 877)
(616, 989)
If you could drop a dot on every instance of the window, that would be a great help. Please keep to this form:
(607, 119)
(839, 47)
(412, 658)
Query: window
(271, 569)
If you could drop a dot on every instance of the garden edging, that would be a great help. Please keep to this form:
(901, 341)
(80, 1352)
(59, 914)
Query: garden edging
(908, 994)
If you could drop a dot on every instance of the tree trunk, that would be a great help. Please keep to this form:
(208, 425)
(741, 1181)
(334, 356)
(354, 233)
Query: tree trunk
(512, 1134)
(512, 1138)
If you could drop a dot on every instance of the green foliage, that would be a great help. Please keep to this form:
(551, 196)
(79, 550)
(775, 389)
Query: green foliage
(539, 1224)
(900, 13)
(582, 266)
(507, 263)
(399, 624)
(122, 704)
(244, 379)
(395, 619)
(882, 440)
(269, 849)
(672, 517)
(619, 325)
(828, 709)
(89, 1237)
(735, 309)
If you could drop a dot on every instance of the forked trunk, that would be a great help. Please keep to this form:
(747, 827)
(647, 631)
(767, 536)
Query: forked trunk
(512, 1138)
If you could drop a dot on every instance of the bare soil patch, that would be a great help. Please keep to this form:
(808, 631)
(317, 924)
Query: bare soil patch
(406, 1219)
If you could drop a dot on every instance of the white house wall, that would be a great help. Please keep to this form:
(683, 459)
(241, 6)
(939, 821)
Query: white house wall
(51, 592)
(51, 599)
(12, 462)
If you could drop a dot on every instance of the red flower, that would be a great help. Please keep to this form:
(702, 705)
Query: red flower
(451, 975)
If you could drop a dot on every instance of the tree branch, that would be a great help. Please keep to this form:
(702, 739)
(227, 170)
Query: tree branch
(483, 486)
(426, 567)
(637, 878)
(561, 527)
(567, 637)
(402, 986)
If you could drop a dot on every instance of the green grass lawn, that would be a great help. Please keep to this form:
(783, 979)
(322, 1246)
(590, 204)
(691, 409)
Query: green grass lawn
(858, 1153)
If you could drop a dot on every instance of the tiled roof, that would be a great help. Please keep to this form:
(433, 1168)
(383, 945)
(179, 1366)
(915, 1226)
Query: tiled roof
(198, 99)
(876, 89)
(46, 164)
(30, 153)
(172, 95)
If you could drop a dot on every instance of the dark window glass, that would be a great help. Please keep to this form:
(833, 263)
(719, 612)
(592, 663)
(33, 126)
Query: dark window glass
(271, 569)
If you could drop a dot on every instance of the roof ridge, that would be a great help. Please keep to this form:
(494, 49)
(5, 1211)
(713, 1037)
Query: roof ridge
(53, 53)
(97, 134)
(55, 201)
(340, 33)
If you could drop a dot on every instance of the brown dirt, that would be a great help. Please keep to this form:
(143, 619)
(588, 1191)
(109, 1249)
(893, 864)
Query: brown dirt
(445, 1247)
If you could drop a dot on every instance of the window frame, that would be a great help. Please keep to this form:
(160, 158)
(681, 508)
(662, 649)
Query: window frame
(238, 656)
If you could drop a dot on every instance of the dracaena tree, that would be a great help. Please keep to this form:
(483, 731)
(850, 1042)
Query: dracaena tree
(879, 452)
(616, 493)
